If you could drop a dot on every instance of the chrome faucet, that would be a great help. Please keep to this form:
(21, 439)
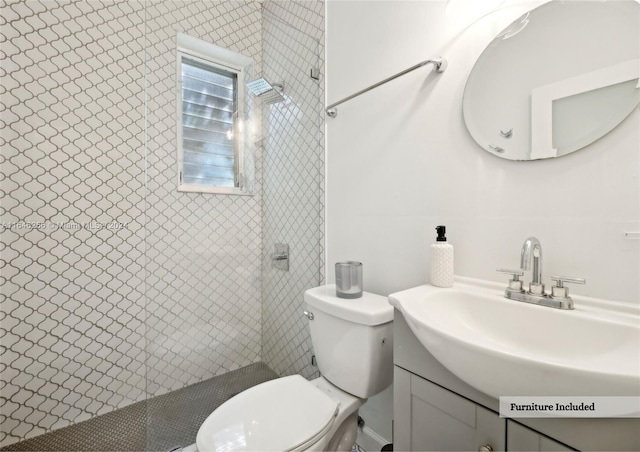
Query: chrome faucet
(532, 251)
(558, 298)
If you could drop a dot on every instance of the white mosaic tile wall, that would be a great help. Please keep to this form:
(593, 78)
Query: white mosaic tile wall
(95, 319)
(92, 319)
(293, 187)
(72, 307)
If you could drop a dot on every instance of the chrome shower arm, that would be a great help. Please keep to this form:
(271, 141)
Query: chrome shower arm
(440, 64)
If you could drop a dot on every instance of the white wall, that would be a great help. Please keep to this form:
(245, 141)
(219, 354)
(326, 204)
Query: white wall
(400, 161)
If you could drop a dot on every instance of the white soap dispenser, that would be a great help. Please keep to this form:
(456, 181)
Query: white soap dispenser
(441, 260)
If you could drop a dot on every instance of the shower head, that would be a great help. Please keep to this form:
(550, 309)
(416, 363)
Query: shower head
(267, 92)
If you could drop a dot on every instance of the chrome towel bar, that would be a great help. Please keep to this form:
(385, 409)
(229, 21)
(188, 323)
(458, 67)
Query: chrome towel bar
(440, 65)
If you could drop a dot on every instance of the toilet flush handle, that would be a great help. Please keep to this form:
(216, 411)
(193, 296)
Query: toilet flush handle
(308, 314)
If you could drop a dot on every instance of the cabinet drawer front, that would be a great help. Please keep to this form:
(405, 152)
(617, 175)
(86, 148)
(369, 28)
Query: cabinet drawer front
(446, 401)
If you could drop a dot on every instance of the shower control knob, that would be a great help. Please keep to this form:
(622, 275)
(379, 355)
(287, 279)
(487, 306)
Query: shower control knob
(507, 133)
(485, 448)
(308, 314)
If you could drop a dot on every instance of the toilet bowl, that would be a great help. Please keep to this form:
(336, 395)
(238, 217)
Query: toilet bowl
(286, 414)
(353, 343)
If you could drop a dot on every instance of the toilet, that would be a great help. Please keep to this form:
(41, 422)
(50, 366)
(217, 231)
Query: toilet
(353, 344)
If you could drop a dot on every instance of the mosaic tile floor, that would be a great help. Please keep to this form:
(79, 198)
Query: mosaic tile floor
(162, 423)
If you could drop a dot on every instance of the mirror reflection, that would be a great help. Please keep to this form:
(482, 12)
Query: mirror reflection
(556, 79)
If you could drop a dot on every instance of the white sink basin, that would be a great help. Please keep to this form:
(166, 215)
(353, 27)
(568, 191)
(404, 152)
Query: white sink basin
(508, 348)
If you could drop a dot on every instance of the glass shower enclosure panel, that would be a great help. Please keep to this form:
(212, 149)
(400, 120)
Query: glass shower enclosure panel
(203, 250)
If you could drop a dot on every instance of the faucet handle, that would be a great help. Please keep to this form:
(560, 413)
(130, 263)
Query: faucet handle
(514, 282)
(516, 273)
(559, 290)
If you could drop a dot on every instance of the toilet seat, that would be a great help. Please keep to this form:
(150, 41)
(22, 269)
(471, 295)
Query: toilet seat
(284, 414)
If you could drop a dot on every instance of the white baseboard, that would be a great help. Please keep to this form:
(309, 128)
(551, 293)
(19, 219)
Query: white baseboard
(370, 441)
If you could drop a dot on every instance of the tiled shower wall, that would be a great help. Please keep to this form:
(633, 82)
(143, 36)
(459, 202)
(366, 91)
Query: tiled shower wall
(72, 307)
(93, 317)
(293, 186)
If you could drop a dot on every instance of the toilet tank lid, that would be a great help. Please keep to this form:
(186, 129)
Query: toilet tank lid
(369, 309)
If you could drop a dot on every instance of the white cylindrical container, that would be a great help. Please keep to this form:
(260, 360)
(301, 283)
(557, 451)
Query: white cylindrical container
(441, 260)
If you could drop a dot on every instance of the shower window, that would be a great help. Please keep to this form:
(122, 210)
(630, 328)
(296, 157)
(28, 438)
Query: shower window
(210, 118)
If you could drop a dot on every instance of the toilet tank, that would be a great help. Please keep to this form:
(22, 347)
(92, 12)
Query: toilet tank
(352, 339)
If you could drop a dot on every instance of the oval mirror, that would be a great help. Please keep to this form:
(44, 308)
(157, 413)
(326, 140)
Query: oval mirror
(557, 79)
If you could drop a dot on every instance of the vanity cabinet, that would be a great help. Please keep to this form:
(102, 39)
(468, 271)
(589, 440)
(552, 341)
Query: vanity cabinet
(434, 418)
(435, 410)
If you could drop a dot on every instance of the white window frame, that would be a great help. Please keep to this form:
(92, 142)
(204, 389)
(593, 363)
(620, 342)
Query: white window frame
(212, 55)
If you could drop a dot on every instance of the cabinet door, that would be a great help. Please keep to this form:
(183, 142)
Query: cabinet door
(521, 438)
(431, 418)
